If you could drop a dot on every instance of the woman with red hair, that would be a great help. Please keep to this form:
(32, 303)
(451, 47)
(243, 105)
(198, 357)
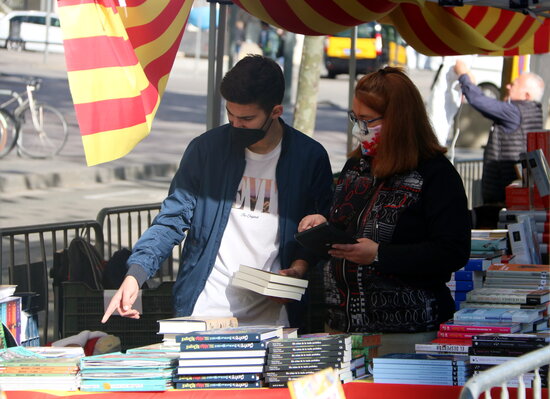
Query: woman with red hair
(404, 202)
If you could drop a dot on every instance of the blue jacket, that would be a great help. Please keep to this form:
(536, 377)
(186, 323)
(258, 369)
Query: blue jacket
(200, 199)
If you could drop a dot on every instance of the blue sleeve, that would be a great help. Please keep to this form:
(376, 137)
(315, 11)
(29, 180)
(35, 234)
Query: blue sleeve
(169, 227)
(501, 112)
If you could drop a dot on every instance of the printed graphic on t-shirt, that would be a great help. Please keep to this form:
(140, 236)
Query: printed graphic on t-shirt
(254, 196)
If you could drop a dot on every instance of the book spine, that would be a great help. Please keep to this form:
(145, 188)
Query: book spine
(305, 360)
(295, 349)
(455, 334)
(515, 339)
(302, 343)
(314, 366)
(529, 299)
(218, 338)
(220, 346)
(245, 377)
(217, 385)
(475, 329)
(308, 355)
(499, 351)
(442, 348)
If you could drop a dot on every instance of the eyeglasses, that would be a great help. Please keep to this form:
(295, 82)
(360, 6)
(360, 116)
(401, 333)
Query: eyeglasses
(363, 124)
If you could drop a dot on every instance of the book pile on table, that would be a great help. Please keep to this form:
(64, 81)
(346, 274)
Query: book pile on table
(422, 369)
(268, 283)
(455, 337)
(232, 357)
(127, 372)
(491, 349)
(40, 368)
(171, 327)
(521, 287)
(292, 358)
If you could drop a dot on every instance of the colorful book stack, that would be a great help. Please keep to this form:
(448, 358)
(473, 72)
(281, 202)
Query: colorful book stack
(289, 359)
(174, 326)
(463, 281)
(232, 357)
(491, 349)
(422, 369)
(455, 337)
(488, 247)
(270, 284)
(127, 372)
(40, 368)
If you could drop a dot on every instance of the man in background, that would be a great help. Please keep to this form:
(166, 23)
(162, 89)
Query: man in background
(519, 113)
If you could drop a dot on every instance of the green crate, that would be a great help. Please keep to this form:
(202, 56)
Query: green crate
(83, 308)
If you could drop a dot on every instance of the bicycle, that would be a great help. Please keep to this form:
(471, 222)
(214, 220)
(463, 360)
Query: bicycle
(37, 129)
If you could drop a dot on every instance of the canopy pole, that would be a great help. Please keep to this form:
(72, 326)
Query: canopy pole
(351, 84)
(211, 88)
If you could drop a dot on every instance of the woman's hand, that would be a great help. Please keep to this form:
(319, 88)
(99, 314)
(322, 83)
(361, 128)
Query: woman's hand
(298, 269)
(362, 253)
(310, 221)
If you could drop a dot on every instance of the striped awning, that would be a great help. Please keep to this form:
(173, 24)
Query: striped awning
(119, 53)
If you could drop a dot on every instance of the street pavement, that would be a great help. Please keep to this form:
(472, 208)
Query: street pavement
(63, 188)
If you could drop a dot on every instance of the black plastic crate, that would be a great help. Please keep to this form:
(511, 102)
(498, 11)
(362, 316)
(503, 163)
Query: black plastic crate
(83, 308)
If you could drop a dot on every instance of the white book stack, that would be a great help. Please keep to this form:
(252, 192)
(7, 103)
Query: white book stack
(268, 283)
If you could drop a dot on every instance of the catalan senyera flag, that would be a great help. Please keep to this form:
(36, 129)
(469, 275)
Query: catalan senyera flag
(118, 62)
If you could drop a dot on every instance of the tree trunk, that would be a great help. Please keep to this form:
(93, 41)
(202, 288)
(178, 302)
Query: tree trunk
(308, 84)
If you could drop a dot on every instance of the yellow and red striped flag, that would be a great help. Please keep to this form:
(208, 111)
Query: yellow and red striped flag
(118, 62)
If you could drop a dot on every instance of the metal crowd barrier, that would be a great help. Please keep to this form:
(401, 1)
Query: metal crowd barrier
(27, 253)
(470, 170)
(122, 227)
(501, 374)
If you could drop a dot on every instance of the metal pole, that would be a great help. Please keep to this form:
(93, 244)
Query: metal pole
(211, 87)
(220, 48)
(48, 24)
(351, 83)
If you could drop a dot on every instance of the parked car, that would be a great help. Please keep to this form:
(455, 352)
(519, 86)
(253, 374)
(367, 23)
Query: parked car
(377, 45)
(26, 30)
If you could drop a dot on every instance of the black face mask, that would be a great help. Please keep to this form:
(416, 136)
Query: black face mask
(244, 137)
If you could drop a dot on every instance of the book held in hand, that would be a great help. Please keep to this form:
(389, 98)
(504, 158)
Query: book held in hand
(272, 277)
(267, 283)
(186, 324)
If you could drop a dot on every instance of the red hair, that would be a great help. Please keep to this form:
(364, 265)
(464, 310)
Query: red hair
(407, 137)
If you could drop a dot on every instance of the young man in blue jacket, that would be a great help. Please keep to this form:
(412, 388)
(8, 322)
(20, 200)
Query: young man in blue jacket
(237, 198)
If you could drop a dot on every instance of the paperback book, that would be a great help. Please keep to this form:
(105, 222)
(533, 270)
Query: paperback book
(178, 325)
(497, 315)
(218, 385)
(509, 295)
(475, 327)
(244, 377)
(272, 277)
(233, 334)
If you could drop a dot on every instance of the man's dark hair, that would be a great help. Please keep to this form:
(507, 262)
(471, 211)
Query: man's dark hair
(254, 80)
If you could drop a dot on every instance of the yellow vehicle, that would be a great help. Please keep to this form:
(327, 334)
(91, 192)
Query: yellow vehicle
(377, 45)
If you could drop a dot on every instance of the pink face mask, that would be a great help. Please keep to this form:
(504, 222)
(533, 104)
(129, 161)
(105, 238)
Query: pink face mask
(369, 139)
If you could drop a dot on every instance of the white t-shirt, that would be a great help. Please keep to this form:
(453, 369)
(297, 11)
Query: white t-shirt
(251, 238)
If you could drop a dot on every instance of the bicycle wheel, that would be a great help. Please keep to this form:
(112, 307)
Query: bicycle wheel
(43, 137)
(8, 132)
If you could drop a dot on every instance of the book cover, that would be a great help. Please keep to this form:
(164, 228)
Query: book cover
(273, 277)
(244, 377)
(237, 282)
(268, 284)
(538, 167)
(508, 295)
(456, 326)
(233, 334)
(488, 244)
(218, 385)
(322, 385)
(193, 323)
(194, 370)
(222, 346)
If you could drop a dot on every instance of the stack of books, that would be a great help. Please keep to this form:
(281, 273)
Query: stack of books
(127, 372)
(364, 347)
(232, 357)
(268, 283)
(289, 359)
(40, 368)
(174, 326)
(423, 369)
(491, 349)
(463, 281)
(455, 337)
